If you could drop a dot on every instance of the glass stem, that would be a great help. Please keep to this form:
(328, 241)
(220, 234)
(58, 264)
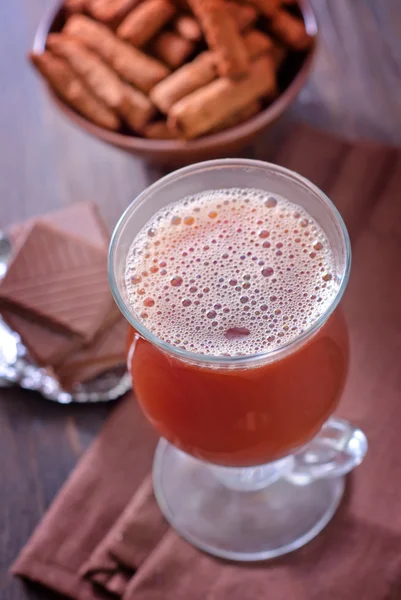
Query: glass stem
(247, 479)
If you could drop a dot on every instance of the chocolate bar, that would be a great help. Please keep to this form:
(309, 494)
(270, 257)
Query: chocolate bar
(58, 278)
(107, 351)
(81, 219)
(45, 346)
(48, 344)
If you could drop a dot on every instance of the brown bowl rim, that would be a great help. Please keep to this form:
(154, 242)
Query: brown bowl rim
(244, 130)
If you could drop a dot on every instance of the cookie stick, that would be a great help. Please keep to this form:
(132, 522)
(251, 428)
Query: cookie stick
(239, 117)
(267, 7)
(188, 78)
(110, 11)
(209, 106)
(65, 82)
(72, 6)
(101, 80)
(222, 36)
(158, 131)
(172, 49)
(244, 15)
(188, 28)
(201, 71)
(145, 20)
(130, 64)
(132, 105)
(290, 30)
(136, 109)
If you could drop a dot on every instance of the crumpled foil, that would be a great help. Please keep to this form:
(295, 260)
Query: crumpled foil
(17, 368)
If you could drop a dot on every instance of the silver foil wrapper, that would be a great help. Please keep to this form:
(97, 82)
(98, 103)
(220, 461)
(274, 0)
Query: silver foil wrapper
(17, 368)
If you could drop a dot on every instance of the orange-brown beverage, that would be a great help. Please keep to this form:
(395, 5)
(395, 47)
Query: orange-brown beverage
(239, 281)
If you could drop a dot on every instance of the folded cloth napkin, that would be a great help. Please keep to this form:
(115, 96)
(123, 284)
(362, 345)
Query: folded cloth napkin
(104, 536)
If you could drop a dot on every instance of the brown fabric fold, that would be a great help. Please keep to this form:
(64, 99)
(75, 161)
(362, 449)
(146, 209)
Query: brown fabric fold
(342, 564)
(104, 536)
(89, 504)
(132, 538)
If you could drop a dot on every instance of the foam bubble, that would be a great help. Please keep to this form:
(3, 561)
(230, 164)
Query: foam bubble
(230, 272)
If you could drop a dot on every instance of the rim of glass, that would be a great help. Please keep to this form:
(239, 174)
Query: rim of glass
(208, 359)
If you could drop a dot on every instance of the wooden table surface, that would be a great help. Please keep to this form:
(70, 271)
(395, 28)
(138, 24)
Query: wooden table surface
(45, 163)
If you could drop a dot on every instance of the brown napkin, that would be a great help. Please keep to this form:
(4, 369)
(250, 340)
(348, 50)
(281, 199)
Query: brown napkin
(88, 505)
(104, 535)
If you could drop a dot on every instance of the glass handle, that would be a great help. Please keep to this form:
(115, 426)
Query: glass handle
(5, 253)
(336, 450)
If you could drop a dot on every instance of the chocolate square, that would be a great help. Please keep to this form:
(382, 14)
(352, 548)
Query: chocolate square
(108, 350)
(59, 279)
(45, 346)
(81, 220)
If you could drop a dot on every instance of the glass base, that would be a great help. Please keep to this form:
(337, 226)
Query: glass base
(219, 515)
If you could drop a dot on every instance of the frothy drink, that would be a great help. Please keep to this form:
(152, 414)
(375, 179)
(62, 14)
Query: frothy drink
(230, 272)
(236, 272)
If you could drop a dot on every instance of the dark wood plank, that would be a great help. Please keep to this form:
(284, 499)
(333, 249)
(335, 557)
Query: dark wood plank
(296, 151)
(358, 182)
(45, 162)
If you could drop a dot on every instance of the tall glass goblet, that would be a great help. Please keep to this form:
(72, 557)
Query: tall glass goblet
(251, 462)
